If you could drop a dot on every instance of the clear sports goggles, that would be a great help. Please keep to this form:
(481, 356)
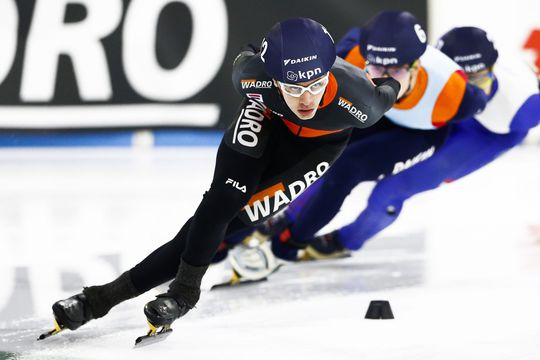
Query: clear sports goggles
(396, 72)
(298, 90)
(481, 79)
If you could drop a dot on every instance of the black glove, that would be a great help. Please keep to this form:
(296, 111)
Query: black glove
(394, 84)
(285, 247)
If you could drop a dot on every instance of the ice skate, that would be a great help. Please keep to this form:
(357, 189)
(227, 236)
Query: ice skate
(184, 292)
(324, 247)
(70, 313)
(93, 302)
(160, 314)
(249, 262)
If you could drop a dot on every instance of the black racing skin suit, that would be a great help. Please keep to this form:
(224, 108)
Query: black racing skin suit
(267, 156)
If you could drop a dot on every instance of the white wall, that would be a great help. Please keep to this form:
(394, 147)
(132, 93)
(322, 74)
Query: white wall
(509, 23)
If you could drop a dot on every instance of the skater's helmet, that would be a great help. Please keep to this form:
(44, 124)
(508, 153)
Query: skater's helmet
(469, 47)
(393, 38)
(297, 50)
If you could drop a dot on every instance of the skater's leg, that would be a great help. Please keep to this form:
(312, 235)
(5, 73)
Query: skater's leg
(96, 301)
(165, 262)
(383, 208)
(468, 148)
(363, 160)
(162, 264)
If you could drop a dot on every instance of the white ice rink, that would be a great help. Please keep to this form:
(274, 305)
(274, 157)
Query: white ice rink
(461, 267)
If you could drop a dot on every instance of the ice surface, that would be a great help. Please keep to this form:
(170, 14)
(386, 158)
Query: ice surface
(461, 267)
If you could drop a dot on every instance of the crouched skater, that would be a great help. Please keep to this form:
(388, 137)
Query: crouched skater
(289, 130)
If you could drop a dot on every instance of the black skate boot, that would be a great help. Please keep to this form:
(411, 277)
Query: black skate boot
(164, 310)
(160, 314)
(183, 294)
(93, 303)
(73, 312)
(70, 313)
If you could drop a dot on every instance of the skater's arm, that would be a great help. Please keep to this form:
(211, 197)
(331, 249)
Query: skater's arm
(458, 100)
(474, 101)
(374, 101)
(239, 166)
(349, 44)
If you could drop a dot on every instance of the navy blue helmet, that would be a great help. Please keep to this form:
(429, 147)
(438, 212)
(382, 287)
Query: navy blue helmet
(470, 47)
(297, 50)
(393, 38)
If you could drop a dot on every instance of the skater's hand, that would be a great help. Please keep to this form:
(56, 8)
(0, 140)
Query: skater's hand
(284, 251)
(285, 247)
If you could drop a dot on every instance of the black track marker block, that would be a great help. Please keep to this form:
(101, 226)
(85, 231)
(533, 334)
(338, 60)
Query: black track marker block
(379, 309)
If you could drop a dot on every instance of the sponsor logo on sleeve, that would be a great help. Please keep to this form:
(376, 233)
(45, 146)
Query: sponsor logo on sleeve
(354, 111)
(255, 84)
(249, 124)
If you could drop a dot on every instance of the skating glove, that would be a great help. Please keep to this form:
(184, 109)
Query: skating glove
(285, 246)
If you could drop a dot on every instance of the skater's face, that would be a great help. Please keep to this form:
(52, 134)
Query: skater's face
(405, 74)
(482, 79)
(303, 98)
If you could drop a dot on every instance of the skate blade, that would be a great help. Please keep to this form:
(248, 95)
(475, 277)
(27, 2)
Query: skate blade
(237, 283)
(56, 330)
(236, 280)
(310, 254)
(154, 334)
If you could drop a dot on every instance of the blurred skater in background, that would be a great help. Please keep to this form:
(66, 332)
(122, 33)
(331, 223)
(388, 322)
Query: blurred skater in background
(434, 94)
(513, 109)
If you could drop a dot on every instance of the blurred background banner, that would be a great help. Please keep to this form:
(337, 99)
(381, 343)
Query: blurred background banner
(132, 64)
